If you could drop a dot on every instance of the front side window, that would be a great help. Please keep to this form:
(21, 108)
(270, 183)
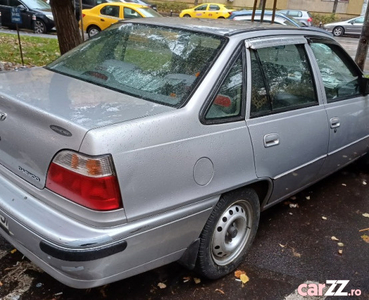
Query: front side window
(340, 77)
(227, 102)
(202, 7)
(110, 10)
(281, 80)
(159, 64)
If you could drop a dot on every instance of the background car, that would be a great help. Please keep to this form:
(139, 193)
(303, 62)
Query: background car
(208, 10)
(353, 26)
(44, 18)
(281, 19)
(302, 15)
(87, 4)
(102, 16)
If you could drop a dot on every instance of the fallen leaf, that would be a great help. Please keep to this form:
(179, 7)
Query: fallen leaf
(364, 182)
(324, 218)
(197, 280)
(366, 215)
(344, 184)
(244, 278)
(340, 251)
(340, 244)
(1, 284)
(290, 213)
(295, 254)
(294, 205)
(307, 197)
(282, 245)
(162, 285)
(365, 238)
(13, 251)
(220, 291)
(238, 273)
(333, 238)
(365, 229)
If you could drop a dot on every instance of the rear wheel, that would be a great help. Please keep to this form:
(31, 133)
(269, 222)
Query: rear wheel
(221, 18)
(338, 31)
(187, 16)
(93, 30)
(228, 234)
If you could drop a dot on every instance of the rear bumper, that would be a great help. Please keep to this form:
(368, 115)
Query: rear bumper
(83, 256)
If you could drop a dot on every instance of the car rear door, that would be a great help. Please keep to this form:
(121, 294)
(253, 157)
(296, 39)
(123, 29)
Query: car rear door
(109, 15)
(286, 118)
(347, 109)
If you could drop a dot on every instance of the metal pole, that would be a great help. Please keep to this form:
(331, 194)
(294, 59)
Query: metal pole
(253, 11)
(81, 19)
(20, 45)
(262, 12)
(274, 8)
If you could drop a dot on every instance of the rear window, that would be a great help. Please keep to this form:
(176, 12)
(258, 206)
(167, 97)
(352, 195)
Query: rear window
(159, 64)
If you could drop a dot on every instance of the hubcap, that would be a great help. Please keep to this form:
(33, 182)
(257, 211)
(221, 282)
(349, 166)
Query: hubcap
(93, 32)
(231, 233)
(39, 27)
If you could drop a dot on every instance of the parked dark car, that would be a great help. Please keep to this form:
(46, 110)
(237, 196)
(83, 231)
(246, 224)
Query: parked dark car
(41, 10)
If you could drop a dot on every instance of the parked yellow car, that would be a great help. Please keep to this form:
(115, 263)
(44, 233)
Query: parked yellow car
(102, 16)
(207, 10)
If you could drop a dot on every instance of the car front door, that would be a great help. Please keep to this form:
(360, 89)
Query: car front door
(200, 11)
(347, 109)
(287, 120)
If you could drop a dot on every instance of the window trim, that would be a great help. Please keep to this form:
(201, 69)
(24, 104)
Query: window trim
(238, 53)
(344, 56)
(267, 87)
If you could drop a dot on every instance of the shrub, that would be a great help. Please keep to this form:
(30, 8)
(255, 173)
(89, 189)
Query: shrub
(324, 18)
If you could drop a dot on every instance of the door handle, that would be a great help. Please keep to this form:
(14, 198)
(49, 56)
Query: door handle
(271, 139)
(335, 122)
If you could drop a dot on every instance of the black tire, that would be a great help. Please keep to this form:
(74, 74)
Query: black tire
(221, 18)
(186, 16)
(228, 234)
(338, 31)
(93, 30)
(40, 26)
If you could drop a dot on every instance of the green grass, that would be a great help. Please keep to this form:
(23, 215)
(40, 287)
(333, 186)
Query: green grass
(36, 51)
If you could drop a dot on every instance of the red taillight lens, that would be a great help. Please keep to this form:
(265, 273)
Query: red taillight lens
(88, 181)
(310, 20)
(83, 15)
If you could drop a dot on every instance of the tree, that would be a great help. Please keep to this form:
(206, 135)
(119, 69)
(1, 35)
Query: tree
(66, 24)
(335, 6)
(362, 48)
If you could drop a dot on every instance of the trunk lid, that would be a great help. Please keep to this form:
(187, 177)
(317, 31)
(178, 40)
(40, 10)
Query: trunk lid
(42, 112)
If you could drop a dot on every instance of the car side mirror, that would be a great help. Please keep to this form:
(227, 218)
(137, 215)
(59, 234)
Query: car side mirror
(364, 85)
(21, 7)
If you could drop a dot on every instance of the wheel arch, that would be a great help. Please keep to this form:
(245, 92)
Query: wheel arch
(263, 190)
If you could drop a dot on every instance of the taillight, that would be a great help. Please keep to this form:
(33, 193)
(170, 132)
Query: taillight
(83, 15)
(310, 19)
(88, 181)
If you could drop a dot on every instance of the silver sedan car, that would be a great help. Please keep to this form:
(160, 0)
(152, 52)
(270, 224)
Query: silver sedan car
(353, 26)
(162, 140)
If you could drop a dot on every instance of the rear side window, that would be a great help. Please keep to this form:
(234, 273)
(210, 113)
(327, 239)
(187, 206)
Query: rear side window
(281, 80)
(340, 77)
(110, 10)
(227, 102)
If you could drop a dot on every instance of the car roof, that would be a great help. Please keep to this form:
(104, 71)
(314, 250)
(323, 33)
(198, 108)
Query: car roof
(216, 27)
